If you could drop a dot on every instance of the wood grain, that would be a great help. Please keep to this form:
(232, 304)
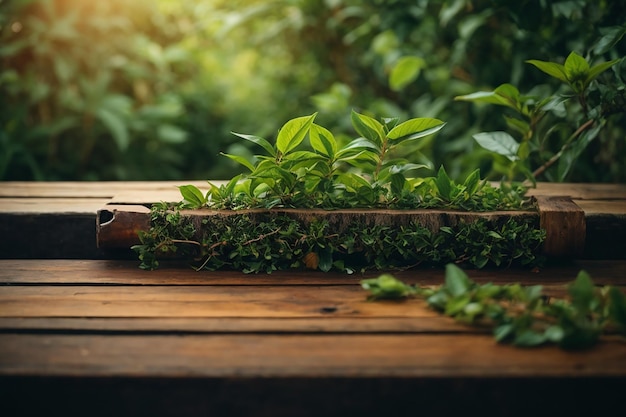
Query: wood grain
(307, 356)
(120, 272)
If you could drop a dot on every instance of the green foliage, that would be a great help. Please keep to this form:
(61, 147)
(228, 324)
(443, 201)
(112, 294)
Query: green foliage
(363, 173)
(520, 315)
(272, 240)
(538, 119)
(387, 287)
(149, 89)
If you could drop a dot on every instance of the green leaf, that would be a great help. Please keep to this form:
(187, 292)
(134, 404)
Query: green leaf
(325, 259)
(504, 331)
(569, 156)
(504, 95)
(415, 128)
(499, 142)
(610, 37)
(576, 67)
(405, 71)
(599, 69)
(192, 195)
(259, 141)
(444, 183)
(355, 146)
(352, 181)
(293, 133)
(529, 338)
(617, 308)
(368, 128)
(323, 141)
(554, 334)
(240, 160)
(116, 126)
(551, 68)
(457, 282)
(386, 286)
(582, 291)
(472, 182)
(171, 134)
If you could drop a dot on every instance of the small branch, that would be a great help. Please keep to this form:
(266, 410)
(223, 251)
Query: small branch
(565, 146)
(261, 237)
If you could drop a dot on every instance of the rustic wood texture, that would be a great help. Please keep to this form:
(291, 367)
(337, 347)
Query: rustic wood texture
(175, 330)
(101, 337)
(565, 226)
(54, 220)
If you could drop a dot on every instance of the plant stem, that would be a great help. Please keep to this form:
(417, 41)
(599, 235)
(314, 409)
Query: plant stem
(566, 145)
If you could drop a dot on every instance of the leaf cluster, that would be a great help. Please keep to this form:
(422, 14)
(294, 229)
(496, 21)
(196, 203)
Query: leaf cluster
(573, 119)
(364, 173)
(521, 315)
(272, 241)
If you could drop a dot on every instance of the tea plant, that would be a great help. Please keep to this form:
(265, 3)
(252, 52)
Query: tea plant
(521, 315)
(272, 240)
(364, 173)
(573, 119)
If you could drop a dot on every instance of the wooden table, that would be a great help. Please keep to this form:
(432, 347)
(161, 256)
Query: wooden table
(83, 332)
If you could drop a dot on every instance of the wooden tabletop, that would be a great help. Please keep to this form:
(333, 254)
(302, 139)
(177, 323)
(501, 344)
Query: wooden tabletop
(95, 335)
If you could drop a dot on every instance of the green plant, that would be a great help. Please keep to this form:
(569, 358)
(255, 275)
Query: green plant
(518, 314)
(265, 241)
(364, 173)
(538, 120)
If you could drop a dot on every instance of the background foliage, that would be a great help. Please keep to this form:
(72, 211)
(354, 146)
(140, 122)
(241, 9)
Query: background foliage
(143, 89)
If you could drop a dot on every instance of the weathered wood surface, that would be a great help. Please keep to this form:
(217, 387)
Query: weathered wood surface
(105, 336)
(58, 220)
(102, 337)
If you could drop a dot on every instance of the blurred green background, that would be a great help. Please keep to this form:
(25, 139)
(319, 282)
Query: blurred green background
(151, 89)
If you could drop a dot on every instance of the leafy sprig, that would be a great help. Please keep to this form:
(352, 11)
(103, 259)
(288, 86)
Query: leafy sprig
(521, 315)
(363, 173)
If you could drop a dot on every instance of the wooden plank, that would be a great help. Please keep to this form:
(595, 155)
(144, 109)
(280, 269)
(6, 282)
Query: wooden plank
(580, 191)
(210, 325)
(65, 206)
(49, 235)
(86, 189)
(565, 226)
(120, 272)
(206, 301)
(603, 207)
(307, 356)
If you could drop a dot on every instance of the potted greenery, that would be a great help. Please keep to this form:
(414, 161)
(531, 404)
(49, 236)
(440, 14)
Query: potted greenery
(311, 200)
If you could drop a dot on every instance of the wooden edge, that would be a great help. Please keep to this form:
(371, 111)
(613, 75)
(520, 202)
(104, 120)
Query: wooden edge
(118, 225)
(565, 226)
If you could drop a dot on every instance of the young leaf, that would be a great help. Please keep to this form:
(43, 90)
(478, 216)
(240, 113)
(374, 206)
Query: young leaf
(576, 67)
(444, 184)
(472, 182)
(240, 160)
(192, 195)
(415, 128)
(499, 142)
(369, 128)
(599, 69)
(293, 132)
(259, 141)
(456, 282)
(323, 141)
(582, 291)
(405, 71)
(504, 95)
(551, 68)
